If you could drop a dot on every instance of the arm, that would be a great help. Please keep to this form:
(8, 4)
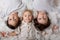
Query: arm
(13, 33)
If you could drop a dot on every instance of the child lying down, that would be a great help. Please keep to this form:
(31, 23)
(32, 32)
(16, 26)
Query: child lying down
(10, 28)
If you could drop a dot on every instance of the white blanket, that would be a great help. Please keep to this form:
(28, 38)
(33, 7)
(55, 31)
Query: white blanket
(6, 6)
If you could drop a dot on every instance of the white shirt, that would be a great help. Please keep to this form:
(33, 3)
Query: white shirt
(27, 31)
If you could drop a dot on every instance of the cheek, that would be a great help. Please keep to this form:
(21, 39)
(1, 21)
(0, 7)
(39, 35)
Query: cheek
(17, 18)
(39, 21)
(10, 22)
(46, 20)
(23, 17)
(13, 23)
(30, 18)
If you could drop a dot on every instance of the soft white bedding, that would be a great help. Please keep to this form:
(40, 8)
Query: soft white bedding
(6, 6)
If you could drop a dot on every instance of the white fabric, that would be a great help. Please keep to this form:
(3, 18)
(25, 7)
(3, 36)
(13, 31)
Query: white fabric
(27, 31)
(58, 4)
(48, 33)
(41, 35)
(7, 6)
(53, 17)
(10, 38)
(55, 35)
(58, 16)
(28, 3)
(5, 28)
(43, 5)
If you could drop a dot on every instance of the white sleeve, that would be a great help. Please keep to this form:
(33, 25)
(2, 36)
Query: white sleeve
(18, 30)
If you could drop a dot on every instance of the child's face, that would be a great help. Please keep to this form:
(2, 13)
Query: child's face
(42, 17)
(27, 17)
(13, 18)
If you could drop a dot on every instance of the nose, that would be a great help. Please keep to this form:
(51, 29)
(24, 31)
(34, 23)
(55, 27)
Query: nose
(13, 18)
(44, 18)
(27, 17)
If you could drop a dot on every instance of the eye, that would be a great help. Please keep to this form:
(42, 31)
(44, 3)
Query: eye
(25, 15)
(44, 18)
(14, 19)
(10, 19)
(29, 15)
(39, 18)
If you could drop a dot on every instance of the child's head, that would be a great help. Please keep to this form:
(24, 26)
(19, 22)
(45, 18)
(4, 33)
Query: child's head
(42, 17)
(42, 20)
(13, 20)
(27, 16)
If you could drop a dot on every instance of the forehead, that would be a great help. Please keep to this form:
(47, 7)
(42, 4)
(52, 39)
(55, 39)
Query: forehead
(11, 16)
(15, 13)
(42, 13)
(27, 12)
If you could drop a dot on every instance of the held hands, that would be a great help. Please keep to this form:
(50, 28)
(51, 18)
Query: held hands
(3, 34)
(13, 33)
(55, 27)
(44, 33)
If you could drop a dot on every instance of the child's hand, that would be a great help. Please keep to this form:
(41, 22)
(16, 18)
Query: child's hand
(3, 34)
(12, 33)
(44, 33)
(55, 27)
